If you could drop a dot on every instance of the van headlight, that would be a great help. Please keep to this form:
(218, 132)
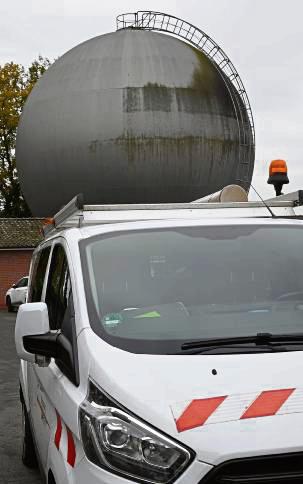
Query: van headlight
(122, 444)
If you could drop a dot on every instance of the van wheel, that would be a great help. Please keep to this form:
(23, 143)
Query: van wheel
(29, 458)
(51, 479)
(10, 308)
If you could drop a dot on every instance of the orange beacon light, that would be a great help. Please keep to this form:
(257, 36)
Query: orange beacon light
(278, 175)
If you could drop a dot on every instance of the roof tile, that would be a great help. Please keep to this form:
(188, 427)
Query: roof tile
(20, 233)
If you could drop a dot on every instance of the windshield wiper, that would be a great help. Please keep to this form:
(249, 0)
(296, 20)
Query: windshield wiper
(260, 339)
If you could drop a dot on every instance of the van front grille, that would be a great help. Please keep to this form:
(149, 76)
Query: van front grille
(272, 469)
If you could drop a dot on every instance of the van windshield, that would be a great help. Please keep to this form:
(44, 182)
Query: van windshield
(149, 291)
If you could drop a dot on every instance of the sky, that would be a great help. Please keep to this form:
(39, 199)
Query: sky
(263, 38)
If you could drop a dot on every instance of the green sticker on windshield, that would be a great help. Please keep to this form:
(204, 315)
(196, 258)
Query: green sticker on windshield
(152, 314)
(112, 319)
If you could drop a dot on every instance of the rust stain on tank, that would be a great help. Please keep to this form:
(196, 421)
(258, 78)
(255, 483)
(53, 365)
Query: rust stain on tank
(142, 148)
(92, 147)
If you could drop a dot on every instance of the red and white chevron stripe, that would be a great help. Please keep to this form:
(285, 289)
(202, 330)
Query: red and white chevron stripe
(65, 443)
(206, 411)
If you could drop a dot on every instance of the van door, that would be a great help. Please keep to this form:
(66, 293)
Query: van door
(49, 386)
(37, 280)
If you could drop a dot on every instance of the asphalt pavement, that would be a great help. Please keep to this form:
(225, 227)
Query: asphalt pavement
(12, 471)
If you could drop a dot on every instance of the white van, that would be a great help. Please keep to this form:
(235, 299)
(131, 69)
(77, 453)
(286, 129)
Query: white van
(165, 351)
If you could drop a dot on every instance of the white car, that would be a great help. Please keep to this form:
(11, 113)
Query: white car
(16, 295)
(165, 351)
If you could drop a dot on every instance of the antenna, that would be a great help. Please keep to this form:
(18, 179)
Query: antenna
(263, 201)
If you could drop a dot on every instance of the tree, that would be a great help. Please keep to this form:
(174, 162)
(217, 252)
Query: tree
(16, 82)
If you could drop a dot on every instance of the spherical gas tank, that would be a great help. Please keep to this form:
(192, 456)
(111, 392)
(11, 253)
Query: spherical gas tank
(132, 116)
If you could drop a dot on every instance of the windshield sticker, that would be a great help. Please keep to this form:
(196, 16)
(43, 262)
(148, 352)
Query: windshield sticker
(196, 413)
(112, 319)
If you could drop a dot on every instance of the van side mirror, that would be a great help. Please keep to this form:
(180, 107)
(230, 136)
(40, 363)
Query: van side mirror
(37, 344)
(14, 286)
(33, 323)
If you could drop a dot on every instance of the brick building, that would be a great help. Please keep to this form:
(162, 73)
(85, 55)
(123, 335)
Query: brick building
(18, 238)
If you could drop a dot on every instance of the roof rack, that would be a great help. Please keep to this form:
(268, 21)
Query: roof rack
(76, 214)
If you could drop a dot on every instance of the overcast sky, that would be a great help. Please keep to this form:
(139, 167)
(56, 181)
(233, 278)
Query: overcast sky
(263, 38)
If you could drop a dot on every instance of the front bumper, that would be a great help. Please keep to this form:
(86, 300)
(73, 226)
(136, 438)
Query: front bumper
(86, 472)
(283, 468)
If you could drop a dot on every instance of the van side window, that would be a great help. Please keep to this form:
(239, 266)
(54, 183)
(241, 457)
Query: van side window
(58, 288)
(59, 300)
(38, 275)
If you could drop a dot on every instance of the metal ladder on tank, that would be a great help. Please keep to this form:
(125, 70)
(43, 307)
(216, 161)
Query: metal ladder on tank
(149, 20)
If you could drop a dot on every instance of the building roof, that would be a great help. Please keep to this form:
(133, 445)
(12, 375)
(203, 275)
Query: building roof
(20, 233)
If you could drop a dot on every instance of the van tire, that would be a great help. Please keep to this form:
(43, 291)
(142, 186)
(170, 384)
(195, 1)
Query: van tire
(51, 479)
(29, 457)
(10, 308)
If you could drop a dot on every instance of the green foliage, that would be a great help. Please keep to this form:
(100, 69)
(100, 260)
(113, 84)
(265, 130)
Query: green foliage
(16, 82)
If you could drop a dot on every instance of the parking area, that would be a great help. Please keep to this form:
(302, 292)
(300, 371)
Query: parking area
(12, 470)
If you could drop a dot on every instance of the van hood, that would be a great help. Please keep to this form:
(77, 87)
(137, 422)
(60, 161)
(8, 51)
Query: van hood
(221, 406)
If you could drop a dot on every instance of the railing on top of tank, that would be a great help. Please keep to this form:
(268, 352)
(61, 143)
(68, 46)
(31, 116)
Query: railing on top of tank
(148, 20)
